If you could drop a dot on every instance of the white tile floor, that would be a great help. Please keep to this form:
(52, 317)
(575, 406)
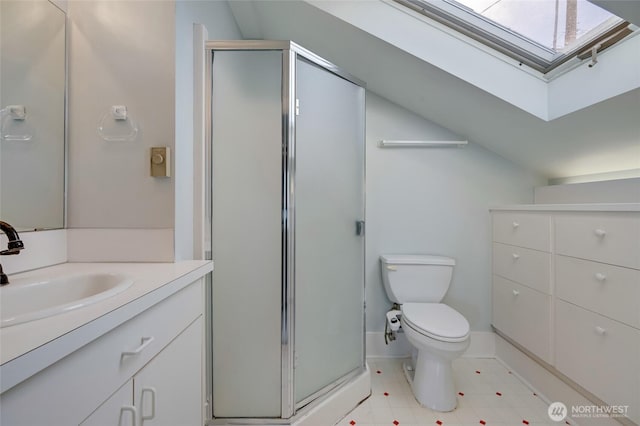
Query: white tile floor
(488, 395)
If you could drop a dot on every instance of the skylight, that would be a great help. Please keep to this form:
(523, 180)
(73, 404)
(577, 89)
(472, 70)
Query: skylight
(540, 33)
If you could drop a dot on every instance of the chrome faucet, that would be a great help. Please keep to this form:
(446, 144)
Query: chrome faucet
(13, 247)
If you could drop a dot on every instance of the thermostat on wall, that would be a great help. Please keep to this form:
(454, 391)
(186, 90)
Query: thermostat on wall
(160, 161)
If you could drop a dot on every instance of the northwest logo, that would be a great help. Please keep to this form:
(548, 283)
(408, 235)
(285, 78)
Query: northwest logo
(557, 411)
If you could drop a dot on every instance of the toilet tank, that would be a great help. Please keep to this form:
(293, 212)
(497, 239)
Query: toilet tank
(416, 278)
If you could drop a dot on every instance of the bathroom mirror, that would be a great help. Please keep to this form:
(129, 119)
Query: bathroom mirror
(32, 109)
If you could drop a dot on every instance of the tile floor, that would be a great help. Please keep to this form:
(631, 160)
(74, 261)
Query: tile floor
(488, 395)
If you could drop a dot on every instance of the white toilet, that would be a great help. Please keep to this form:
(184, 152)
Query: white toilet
(439, 333)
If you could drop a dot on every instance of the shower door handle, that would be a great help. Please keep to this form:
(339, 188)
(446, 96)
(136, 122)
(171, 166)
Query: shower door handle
(359, 227)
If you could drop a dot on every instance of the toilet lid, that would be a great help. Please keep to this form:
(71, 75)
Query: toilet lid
(436, 320)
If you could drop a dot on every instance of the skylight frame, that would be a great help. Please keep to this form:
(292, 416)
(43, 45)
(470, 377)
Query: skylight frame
(528, 52)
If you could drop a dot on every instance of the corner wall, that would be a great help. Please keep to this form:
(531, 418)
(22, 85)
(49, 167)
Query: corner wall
(434, 201)
(220, 25)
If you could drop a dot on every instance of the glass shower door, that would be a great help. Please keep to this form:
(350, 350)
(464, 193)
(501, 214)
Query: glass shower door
(329, 250)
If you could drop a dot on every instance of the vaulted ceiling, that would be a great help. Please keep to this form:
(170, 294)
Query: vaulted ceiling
(603, 137)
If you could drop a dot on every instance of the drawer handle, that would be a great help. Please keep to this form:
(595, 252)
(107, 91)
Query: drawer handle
(134, 414)
(515, 256)
(152, 391)
(601, 331)
(516, 292)
(515, 225)
(146, 341)
(601, 277)
(392, 268)
(600, 232)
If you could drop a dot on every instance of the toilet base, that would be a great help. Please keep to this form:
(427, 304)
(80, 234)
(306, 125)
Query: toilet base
(430, 373)
(435, 387)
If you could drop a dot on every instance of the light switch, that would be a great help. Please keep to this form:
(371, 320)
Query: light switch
(160, 161)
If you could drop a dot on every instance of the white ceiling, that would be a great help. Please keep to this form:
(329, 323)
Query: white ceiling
(604, 137)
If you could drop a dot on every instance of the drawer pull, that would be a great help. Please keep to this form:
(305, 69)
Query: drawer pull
(600, 232)
(515, 256)
(134, 415)
(516, 292)
(152, 391)
(146, 341)
(392, 268)
(515, 225)
(601, 331)
(601, 277)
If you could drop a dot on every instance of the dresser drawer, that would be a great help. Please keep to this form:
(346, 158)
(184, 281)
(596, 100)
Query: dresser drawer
(524, 315)
(525, 266)
(530, 230)
(608, 290)
(609, 238)
(600, 355)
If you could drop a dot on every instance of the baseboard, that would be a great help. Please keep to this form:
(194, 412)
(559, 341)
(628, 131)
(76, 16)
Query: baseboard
(482, 345)
(548, 386)
(376, 347)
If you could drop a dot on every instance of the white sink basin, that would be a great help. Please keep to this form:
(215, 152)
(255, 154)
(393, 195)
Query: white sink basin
(25, 300)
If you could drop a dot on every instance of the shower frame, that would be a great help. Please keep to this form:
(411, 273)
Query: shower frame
(291, 52)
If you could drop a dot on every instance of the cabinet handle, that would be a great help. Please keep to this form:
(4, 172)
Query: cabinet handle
(601, 331)
(515, 225)
(146, 341)
(516, 292)
(392, 268)
(152, 391)
(134, 414)
(516, 256)
(601, 277)
(600, 232)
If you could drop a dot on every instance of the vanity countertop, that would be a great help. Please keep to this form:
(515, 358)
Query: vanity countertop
(30, 347)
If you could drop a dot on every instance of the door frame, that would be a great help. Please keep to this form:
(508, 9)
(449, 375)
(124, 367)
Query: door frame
(291, 52)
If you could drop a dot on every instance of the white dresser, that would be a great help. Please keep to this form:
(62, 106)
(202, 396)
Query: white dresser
(566, 288)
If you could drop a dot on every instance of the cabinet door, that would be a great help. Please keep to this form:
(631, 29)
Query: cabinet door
(168, 390)
(117, 410)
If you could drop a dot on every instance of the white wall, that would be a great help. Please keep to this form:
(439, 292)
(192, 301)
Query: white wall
(220, 24)
(138, 54)
(434, 201)
(120, 53)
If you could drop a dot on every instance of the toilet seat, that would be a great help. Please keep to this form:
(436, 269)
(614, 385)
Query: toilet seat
(436, 320)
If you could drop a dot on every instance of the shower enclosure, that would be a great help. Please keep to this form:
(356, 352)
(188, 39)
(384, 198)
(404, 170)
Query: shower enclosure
(287, 151)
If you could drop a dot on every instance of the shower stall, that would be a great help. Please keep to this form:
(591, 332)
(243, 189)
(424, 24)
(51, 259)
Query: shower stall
(286, 140)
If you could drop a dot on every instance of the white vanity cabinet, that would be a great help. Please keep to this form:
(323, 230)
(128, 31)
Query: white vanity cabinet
(586, 261)
(118, 410)
(146, 371)
(165, 392)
